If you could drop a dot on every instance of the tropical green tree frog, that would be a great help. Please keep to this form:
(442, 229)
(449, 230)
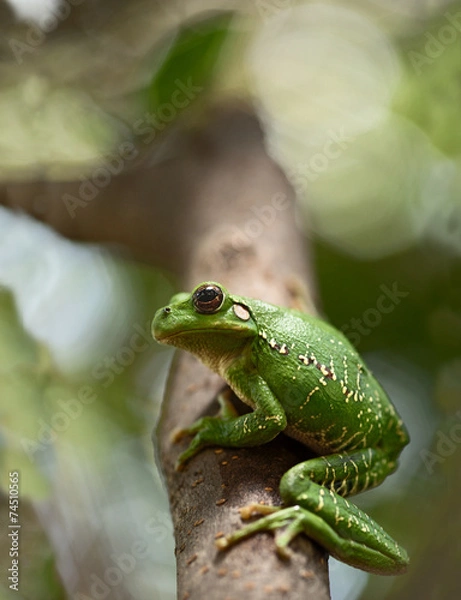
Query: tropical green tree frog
(302, 377)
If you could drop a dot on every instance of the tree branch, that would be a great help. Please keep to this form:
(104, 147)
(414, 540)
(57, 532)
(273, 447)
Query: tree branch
(254, 249)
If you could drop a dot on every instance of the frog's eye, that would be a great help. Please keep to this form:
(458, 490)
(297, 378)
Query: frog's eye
(208, 299)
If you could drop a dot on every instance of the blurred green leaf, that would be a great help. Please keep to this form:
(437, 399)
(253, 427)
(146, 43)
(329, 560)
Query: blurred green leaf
(190, 63)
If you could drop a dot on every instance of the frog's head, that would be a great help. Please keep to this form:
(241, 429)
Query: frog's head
(208, 322)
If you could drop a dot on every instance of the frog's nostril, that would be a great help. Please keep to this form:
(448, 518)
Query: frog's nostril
(167, 310)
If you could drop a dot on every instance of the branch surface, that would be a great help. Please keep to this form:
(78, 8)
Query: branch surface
(254, 250)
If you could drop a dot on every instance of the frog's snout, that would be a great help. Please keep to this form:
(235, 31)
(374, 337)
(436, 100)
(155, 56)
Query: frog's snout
(161, 322)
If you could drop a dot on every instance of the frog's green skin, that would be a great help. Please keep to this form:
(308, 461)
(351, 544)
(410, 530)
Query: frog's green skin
(301, 376)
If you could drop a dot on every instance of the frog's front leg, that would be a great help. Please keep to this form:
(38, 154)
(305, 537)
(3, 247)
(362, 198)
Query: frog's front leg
(230, 430)
(314, 507)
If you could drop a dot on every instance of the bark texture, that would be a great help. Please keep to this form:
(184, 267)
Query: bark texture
(245, 242)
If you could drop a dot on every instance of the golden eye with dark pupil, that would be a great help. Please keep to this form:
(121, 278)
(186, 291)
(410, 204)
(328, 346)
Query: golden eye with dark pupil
(208, 299)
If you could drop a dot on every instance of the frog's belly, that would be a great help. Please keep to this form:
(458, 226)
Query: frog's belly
(309, 439)
(317, 442)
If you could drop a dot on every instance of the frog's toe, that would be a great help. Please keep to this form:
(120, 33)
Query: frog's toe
(294, 526)
(283, 551)
(250, 510)
(180, 463)
(223, 543)
(285, 521)
(193, 448)
(178, 434)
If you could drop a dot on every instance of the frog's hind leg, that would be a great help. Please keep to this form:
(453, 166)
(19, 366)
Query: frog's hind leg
(319, 485)
(346, 473)
(343, 529)
(314, 504)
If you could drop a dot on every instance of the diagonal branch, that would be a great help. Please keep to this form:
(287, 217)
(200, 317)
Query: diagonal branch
(242, 217)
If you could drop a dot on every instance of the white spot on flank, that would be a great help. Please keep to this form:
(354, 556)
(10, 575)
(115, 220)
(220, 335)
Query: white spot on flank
(321, 500)
(309, 396)
(332, 369)
(367, 480)
(337, 517)
(345, 369)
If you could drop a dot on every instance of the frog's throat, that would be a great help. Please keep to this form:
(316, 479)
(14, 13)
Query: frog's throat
(218, 352)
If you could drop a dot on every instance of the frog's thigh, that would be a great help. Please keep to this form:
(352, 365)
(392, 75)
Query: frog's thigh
(347, 473)
(344, 530)
(364, 544)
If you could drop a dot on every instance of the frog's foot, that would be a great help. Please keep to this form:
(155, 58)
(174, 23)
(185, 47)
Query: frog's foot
(206, 430)
(230, 430)
(226, 411)
(350, 542)
(290, 519)
(206, 433)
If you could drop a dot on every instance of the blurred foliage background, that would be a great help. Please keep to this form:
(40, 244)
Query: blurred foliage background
(360, 104)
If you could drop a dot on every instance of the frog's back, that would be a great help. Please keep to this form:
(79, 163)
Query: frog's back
(332, 401)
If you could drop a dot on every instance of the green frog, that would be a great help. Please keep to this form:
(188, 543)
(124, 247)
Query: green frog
(302, 377)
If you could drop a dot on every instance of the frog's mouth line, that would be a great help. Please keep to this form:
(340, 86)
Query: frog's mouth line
(188, 332)
(171, 336)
